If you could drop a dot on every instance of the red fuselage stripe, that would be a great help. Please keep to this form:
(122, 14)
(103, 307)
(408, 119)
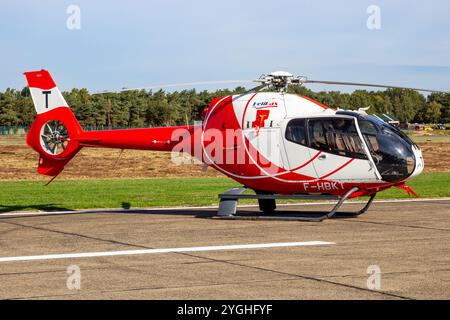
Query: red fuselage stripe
(306, 163)
(316, 102)
(245, 110)
(338, 169)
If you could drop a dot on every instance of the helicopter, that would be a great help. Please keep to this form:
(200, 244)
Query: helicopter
(278, 144)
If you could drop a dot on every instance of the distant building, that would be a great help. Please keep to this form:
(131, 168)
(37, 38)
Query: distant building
(416, 126)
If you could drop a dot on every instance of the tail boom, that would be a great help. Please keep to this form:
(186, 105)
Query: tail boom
(158, 139)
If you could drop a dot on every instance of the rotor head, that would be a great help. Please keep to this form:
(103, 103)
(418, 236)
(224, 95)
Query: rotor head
(279, 80)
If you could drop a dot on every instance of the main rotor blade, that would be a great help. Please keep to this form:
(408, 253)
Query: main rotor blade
(172, 85)
(369, 85)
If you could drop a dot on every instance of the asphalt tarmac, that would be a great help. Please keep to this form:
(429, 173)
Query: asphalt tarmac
(397, 250)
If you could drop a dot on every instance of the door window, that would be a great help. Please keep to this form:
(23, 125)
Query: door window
(296, 132)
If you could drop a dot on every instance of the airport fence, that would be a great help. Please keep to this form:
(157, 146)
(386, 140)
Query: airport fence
(13, 130)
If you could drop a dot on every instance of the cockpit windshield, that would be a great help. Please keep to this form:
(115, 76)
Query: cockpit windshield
(390, 148)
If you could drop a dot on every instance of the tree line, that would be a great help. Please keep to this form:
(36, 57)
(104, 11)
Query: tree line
(148, 109)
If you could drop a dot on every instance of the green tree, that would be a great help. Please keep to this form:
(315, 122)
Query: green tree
(406, 103)
(444, 100)
(431, 113)
(8, 109)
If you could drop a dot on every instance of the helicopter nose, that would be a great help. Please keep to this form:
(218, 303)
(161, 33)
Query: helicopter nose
(420, 164)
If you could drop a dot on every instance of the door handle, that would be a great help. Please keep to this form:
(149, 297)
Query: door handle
(322, 157)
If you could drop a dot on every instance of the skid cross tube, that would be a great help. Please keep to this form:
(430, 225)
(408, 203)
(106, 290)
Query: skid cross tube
(229, 199)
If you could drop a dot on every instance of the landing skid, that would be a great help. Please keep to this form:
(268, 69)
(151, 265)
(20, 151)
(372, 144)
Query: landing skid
(229, 199)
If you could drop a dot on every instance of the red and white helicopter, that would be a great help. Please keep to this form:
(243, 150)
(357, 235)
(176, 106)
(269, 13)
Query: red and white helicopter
(275, 143)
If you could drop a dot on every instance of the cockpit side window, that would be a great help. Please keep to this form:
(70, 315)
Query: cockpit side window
(336, 135)
(296, 131)
(369, 132)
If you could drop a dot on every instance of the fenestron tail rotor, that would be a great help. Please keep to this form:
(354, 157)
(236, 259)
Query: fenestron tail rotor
(54, 137)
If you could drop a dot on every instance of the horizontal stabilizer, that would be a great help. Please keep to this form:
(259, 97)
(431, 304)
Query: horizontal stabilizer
(51, 167)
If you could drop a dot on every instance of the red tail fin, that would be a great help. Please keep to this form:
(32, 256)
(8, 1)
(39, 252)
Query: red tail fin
(54, 131)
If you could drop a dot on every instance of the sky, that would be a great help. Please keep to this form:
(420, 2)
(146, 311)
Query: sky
(142, 43)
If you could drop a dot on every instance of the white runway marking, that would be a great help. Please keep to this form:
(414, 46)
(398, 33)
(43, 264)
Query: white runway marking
(166, 250)
(110, 210)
